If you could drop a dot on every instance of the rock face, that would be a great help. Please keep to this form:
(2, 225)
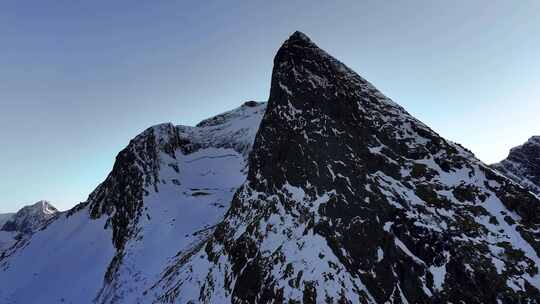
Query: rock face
(329, 193)
(30, 218)
(349, 199)
(523, 165)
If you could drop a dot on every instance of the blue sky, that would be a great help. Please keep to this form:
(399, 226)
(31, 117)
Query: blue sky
(79, 79)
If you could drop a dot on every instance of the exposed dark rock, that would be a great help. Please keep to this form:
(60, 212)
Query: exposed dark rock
(523, 165)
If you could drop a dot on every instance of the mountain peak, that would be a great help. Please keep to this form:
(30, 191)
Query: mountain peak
(31, 217)
(299, 38)
(523, 164)
(44, 206)
(306, 72)
(534, 139)
(531, 148)
(310, 90)
(298, 44)
(41, 206)
(532, 142)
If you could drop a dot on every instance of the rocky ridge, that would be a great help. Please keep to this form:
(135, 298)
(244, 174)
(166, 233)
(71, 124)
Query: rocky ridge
(523, 165)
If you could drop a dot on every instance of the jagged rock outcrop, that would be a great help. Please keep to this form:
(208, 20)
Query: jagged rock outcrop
(30, 218)
(523, 165)
(349, 199)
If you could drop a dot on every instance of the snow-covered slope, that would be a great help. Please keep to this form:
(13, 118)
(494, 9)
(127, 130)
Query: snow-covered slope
(523, 164)
(64, 263)
(349, 199)
(7, 238)
(167, 190)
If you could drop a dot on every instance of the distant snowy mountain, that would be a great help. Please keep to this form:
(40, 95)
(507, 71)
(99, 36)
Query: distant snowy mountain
(523, 164)
(30, 218)
(329, 193)
(27, 220)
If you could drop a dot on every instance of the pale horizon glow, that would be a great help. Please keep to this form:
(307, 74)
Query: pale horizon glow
(79, 80)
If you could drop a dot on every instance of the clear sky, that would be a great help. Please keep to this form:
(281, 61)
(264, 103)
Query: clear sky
(79, 79)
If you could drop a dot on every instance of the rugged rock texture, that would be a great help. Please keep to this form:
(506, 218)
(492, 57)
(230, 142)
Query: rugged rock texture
(349, 199)
(523, 165)
(30, 218)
